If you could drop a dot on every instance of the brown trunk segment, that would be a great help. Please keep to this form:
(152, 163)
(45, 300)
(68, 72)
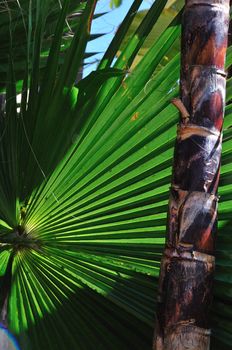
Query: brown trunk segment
(187, 267)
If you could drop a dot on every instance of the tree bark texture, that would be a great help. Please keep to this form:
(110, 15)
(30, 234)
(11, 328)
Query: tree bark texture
(187, 267)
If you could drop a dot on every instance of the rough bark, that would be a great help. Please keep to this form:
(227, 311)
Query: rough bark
(187, 267)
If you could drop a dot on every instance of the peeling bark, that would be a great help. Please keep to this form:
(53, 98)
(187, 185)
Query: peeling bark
(187, 267)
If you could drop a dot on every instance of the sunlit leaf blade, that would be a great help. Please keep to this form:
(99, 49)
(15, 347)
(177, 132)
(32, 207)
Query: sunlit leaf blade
(110, 53)
(171, 10)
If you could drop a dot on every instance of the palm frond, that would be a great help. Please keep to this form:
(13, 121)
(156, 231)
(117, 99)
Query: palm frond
(84, 177)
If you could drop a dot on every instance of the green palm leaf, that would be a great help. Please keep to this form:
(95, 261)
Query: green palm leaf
(27, 29)
(84, 176)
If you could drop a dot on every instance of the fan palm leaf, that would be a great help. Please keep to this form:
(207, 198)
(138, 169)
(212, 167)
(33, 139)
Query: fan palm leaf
(21, 29)
(84, 178)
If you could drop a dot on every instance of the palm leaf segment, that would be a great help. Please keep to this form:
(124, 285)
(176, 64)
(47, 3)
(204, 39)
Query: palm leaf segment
(84, 182)
(20, 26)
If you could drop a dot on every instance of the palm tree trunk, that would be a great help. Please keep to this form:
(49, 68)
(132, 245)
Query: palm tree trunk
(187, 267)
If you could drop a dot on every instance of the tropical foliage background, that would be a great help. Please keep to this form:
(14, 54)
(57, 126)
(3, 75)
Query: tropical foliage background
(84, 179)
